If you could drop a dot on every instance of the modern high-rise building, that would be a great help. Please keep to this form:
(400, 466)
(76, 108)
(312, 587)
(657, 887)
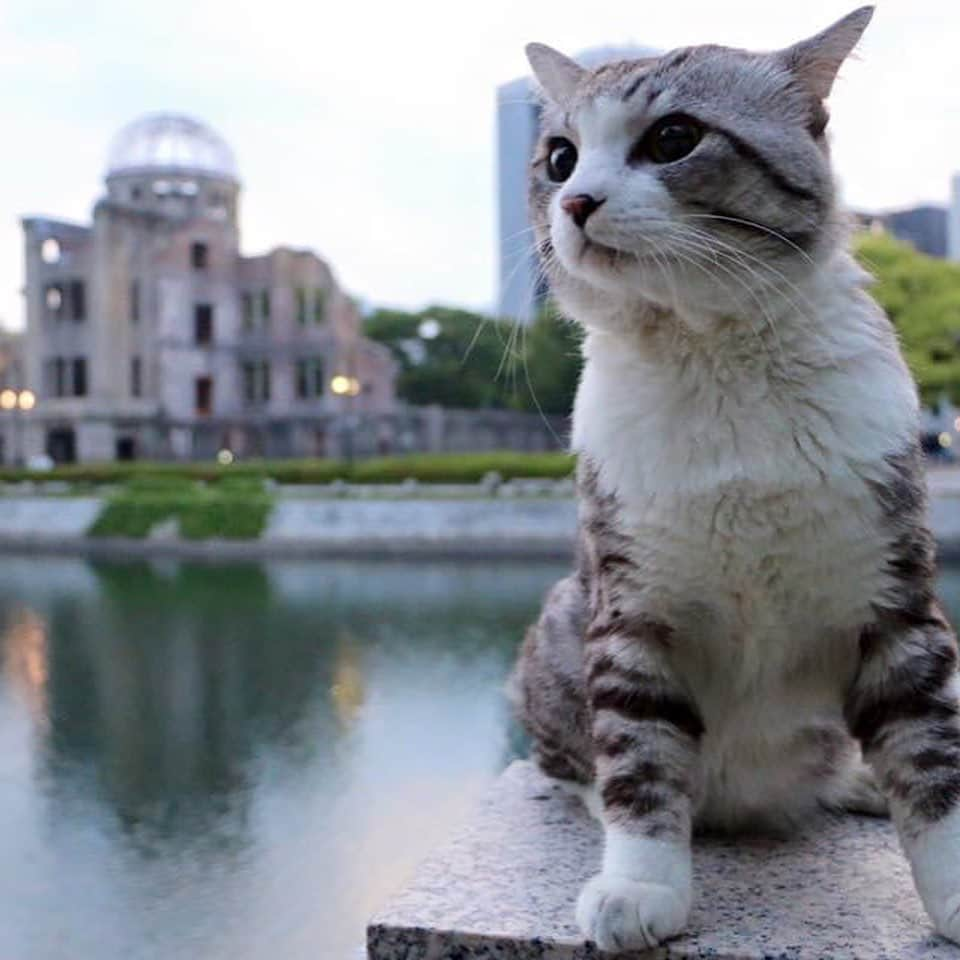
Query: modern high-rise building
(521, 289)
(149, 334)
(953, 220)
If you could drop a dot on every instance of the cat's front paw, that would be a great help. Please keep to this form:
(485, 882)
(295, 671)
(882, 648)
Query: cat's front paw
(947, 919)
(620, 913)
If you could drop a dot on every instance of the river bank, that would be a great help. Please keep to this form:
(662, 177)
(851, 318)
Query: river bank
(522, 518)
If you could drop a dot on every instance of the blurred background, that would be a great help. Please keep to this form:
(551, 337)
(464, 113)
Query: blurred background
(253, 259)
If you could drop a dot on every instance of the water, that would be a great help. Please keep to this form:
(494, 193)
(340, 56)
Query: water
(240, 761)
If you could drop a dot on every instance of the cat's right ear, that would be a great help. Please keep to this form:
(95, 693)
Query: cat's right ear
(558, 75)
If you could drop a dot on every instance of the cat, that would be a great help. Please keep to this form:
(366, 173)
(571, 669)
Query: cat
(751, 633)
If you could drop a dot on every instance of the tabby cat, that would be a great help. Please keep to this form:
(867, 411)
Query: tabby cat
(751, 633)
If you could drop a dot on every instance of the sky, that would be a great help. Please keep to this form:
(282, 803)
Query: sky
(366, 130)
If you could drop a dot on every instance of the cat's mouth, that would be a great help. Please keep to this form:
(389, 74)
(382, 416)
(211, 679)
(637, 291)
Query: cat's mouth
(593, 249)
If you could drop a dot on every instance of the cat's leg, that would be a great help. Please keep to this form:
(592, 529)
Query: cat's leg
(646, 733)
(904, 709)
(549, 692)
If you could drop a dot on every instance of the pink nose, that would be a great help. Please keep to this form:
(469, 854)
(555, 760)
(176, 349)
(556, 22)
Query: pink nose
(580, 207)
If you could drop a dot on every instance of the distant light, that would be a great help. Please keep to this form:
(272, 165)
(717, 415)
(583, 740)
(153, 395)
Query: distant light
(188, 188)
(429, 329)
(8, 399)
(50, 250)
(956, 424)
(354, 387)
(28, 399)
(161, 187)
(225, 458)
(54, 298)
(340, 385)
(945, 440)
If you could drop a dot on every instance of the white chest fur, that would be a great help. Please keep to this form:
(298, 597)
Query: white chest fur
(744, 465)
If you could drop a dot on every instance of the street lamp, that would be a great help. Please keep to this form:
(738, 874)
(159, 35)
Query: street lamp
(17, 402)
(343, 385)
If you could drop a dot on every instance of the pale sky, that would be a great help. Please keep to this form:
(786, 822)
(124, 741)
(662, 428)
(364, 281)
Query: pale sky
(365, 130)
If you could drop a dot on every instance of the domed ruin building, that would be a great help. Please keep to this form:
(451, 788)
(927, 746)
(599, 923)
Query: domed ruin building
(150, 335)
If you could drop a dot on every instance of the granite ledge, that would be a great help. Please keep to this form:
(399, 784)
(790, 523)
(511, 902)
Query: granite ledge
(505, 889)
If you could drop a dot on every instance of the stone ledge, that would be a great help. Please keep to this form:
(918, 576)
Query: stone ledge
(505, 890)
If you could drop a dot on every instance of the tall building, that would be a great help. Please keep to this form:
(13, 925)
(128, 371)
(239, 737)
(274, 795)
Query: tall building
(148, 333)
(521, 289)
(953, 219)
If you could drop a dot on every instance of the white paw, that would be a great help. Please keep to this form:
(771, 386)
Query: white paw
(947, 920)
(619, 913)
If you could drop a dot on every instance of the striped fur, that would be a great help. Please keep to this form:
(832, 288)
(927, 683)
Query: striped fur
(752, 612)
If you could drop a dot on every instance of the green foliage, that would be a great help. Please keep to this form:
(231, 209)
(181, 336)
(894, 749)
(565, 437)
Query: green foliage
(236, 509)
(143, 484)
(463, 468)
(479, 361)
(922, 297)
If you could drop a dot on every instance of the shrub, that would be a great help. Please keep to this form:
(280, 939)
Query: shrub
(426, 468)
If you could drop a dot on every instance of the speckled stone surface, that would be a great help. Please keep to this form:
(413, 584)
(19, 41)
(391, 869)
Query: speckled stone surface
(505, 890)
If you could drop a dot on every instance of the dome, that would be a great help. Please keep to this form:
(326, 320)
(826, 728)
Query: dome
(170, 142)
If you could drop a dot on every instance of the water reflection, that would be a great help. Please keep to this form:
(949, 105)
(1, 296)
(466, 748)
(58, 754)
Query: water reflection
(238, 761)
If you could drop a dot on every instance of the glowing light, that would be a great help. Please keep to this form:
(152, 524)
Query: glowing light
(956, 424)
(8, 399)
(54, 298)
(27, 400)
(429, 329)
(340, 385)
(945, 440)
(225, 458)
(50, 251)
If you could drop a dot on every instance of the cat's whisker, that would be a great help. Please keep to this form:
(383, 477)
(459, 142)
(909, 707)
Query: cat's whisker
(763, 228)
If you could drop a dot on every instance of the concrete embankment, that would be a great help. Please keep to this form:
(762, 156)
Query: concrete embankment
(514, 521)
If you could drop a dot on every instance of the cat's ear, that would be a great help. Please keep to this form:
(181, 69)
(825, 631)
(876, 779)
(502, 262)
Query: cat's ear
(816, 61)
(557, 74)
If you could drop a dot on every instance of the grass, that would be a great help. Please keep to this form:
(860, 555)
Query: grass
(235, 509)
(425, 468)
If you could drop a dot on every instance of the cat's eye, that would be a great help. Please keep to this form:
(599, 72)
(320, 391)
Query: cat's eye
(561, 159)
(669, 140)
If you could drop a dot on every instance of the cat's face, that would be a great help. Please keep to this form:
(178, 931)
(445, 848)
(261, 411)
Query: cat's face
(697, 179)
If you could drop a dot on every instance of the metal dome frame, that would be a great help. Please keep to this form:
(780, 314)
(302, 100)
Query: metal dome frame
(170, 142)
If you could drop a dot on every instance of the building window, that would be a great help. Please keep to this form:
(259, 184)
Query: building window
(301, 306)
(246, 306)
(66, 376)
(265, 306)
(265, 381)
(135, 193)
(54, 376)
(54, 298)
(79, 376)
(50, 250)
(78, 300)
(135, 302)
(319, 305)
(203, 396)
(202, 324)
(136, 386)
(199, 256)
(162, 188)
(309, 378)
(256, 382)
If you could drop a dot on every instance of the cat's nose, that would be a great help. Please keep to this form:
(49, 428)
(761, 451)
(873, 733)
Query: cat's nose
(581, 206)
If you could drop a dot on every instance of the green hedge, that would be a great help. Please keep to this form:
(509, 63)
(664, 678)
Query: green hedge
(232, 510)
(426, 468)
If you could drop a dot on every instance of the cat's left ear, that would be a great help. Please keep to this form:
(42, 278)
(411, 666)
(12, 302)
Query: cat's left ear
(816, 61)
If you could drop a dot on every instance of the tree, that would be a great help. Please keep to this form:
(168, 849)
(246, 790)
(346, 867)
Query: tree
(922, 297)
(470, 360)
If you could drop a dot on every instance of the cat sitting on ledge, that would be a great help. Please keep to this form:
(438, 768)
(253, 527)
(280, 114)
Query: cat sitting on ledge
(751, 633)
